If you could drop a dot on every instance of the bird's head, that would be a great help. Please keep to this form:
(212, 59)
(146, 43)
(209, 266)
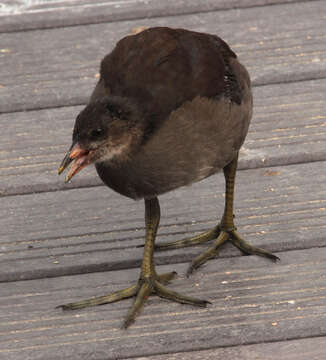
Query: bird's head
(106, 130)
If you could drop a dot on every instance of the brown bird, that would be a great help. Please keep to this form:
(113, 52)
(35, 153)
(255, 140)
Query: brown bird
(171, 107)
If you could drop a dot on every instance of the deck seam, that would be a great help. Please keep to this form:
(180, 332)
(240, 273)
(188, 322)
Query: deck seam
(153, 16)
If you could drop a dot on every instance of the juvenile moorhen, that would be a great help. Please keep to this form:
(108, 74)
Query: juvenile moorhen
(171, 107)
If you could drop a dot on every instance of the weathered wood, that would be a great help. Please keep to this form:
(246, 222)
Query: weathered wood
(253, 301)
(288, 127)
(44, 15)
(303, 349)
(259, 310)
(94, 229)
(57, 67)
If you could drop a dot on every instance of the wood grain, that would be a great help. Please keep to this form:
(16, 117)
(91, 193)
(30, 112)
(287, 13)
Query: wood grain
(303, 349)
(253, 301)
(61, 243)
(19, 15)
(288, 127)
(94, 229)
(57, 67)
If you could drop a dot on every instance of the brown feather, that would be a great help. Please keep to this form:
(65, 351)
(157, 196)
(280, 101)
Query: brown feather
(192, 107)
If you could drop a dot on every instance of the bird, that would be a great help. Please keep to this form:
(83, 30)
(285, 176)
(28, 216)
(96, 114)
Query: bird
(171, 107)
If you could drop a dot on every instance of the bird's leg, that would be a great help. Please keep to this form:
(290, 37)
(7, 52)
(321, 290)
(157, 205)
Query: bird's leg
(224, 231)
(149, 281)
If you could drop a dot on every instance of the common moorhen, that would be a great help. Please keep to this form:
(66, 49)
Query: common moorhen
(171, 107)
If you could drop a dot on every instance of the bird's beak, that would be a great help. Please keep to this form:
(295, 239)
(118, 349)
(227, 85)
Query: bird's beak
(78, 156)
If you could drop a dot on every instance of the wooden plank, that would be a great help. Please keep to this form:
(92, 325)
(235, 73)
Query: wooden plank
(303, 349)
(252, 302)
(57, 67)
(288, 127)
(22, 15)
(94, 229)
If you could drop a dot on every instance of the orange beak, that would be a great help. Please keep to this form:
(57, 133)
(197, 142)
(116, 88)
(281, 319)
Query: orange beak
(78, 156)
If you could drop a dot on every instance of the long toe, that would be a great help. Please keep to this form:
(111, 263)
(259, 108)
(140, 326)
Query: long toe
(162, 291)
(195, 240)
(248, 249)
(236, 240)
(210, 253)
(101, 300)
(166, 278)
(145, 290)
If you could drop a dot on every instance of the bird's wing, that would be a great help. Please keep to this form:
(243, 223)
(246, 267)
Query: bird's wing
(162, 68)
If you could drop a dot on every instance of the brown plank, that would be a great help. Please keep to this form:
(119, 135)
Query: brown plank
(22, 15)
(56, 67)
(288, 127)
(303, 349)
(94, 229)
(252, 302)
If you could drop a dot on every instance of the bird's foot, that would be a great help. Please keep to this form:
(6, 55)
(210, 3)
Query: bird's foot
(145, 286)
(235, 239)
(221, 236)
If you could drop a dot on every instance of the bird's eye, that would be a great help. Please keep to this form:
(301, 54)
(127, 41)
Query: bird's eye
(96, 133)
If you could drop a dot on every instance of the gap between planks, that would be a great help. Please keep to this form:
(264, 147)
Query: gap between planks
(91, 12)
(59, 66)
(247, 308)
(94, 231)
(288, 127)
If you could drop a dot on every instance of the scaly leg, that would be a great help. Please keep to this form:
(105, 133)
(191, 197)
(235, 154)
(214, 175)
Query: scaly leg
(225, 231)
(149, 282)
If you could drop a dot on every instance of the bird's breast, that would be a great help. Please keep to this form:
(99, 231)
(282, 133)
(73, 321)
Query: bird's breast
(197, 140)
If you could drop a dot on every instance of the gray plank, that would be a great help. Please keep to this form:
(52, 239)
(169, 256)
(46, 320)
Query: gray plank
(57, 67)
(252, 302)
(21, 15)
(303, 349)
(94, 229)
(288, 127)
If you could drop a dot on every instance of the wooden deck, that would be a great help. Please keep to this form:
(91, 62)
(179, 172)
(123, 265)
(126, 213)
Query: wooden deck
(61, 243)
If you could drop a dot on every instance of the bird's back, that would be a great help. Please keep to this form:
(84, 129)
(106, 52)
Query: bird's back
(162, 68)
(197, 98)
